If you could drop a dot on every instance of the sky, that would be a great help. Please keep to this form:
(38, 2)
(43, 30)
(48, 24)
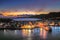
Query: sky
(17, 7)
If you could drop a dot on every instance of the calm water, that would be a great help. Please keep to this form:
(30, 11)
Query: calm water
(35, 34)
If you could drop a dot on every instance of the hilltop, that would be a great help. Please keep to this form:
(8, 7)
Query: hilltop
(51, 15)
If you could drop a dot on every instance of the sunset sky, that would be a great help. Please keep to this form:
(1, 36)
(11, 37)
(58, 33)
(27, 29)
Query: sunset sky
(19, 7)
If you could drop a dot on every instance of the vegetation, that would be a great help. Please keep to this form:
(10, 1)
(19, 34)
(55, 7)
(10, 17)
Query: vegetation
(51, 15)
(5, 19)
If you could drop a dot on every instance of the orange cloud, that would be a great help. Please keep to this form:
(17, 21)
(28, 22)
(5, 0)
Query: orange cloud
(23, 12)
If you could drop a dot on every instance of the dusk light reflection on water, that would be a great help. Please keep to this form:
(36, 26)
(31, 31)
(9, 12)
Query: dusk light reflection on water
(35, 34)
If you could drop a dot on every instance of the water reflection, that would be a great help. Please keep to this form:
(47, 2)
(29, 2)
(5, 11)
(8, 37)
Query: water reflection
(55, 31)
(43, 33)
(28, 34)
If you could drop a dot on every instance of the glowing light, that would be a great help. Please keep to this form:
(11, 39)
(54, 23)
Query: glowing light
(26, 32)
(42, 25)
(43, 33)
(22, 13)
(27, 26)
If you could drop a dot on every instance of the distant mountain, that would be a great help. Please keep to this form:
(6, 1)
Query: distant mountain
(1, 16)
(11, 16)
(51, 15)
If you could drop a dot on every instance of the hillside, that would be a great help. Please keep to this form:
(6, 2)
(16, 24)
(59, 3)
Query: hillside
(51, 15)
